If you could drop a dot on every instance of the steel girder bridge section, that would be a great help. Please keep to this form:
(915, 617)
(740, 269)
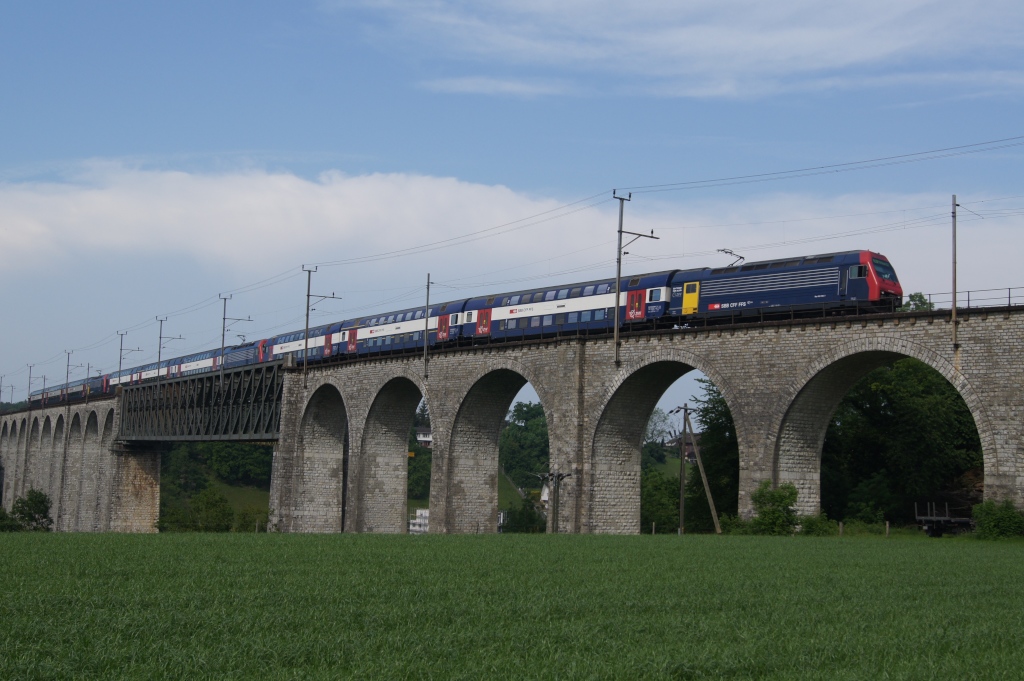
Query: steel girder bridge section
(242, 405)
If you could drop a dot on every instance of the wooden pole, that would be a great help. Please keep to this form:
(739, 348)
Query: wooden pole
(703, 476)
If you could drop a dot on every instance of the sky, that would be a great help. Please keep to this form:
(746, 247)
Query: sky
(156, 155)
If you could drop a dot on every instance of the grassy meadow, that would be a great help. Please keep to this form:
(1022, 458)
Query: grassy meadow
(509, 606)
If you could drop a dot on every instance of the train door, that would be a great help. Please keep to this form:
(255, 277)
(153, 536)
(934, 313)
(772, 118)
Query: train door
(483, 323)
(691, 297)
(442, 326)
(327, 345)
(352, 336)
(635, 307)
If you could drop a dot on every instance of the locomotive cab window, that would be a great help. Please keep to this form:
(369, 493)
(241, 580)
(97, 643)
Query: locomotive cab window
(858, 271)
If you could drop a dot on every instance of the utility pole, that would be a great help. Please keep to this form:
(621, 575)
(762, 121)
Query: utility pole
(120, 354)
(28, 395)
(554, 479)
(224, 329)
(159, 354)
(67, 377)
(618, 265)
(956, 344)
(687, 425)
(305, 336)
(426, 328)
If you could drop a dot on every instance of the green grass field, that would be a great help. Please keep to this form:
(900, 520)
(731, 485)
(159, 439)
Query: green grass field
(509, 606)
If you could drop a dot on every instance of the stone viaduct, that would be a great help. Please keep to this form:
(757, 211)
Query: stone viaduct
(340, 459)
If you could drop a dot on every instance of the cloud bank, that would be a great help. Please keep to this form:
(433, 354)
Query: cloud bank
(707, 48)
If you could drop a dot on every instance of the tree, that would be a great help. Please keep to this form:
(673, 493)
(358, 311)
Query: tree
(659, 426)
(720, 454)
(212, 511)
(902, 434)
(659, 502)
(422, 418)
(32, 512)
(238, 463)
(916, 302)
(526, 518)
(420, 464)
(523, 444)
(9, 523)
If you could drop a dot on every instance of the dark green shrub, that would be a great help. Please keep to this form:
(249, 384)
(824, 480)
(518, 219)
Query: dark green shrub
(526, 518)
(251, 519)
(997, 521)
(659, 502)
(818, 526)
(212, 511)
(9, 523)
(732, 524)
(774, 507)
(33, 512)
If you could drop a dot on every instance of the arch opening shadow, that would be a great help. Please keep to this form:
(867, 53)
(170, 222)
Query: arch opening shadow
(801, 436)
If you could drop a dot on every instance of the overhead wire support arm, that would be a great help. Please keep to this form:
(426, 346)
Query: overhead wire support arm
(618, 264)
(224, 326)
(305, 336)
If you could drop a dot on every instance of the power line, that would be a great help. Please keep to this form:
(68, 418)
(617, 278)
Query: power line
(915, 157)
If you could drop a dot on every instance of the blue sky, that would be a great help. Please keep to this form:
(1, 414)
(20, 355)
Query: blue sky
(155, 155)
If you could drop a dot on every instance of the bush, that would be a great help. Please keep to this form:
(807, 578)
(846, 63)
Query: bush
(252, 519)
(997, 521)
(775, 514)
(818, 526)
(526, 518)
(212, 511)
(32, 512)
(732, 524)
(9, 523)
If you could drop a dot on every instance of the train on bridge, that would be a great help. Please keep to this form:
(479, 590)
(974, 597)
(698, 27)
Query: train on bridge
(833, 283)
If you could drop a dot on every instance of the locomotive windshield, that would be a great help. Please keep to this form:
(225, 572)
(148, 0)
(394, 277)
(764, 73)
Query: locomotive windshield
(884, 270)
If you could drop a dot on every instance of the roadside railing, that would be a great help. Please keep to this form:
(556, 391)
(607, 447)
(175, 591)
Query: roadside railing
(986, 297)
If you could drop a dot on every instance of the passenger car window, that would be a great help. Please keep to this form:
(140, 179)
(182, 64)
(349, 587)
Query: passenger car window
(654, 295)
(550, 295)
(588, 290)
(563, 294)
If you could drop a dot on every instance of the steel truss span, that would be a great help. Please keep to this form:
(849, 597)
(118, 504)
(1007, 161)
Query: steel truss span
(244, 405)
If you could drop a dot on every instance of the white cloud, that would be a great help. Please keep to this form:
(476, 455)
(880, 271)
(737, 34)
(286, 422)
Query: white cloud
(713, 48)
(257, 221)
(494, 86)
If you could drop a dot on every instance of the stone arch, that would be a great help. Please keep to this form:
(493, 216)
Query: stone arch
(320, 477)
(18, 485)
(613, 478)
(83, 476)
(805, 408)
(470, 477)
(67, 456)
(4, 492)
(384, 457)
(105, 468)
(35, 470)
